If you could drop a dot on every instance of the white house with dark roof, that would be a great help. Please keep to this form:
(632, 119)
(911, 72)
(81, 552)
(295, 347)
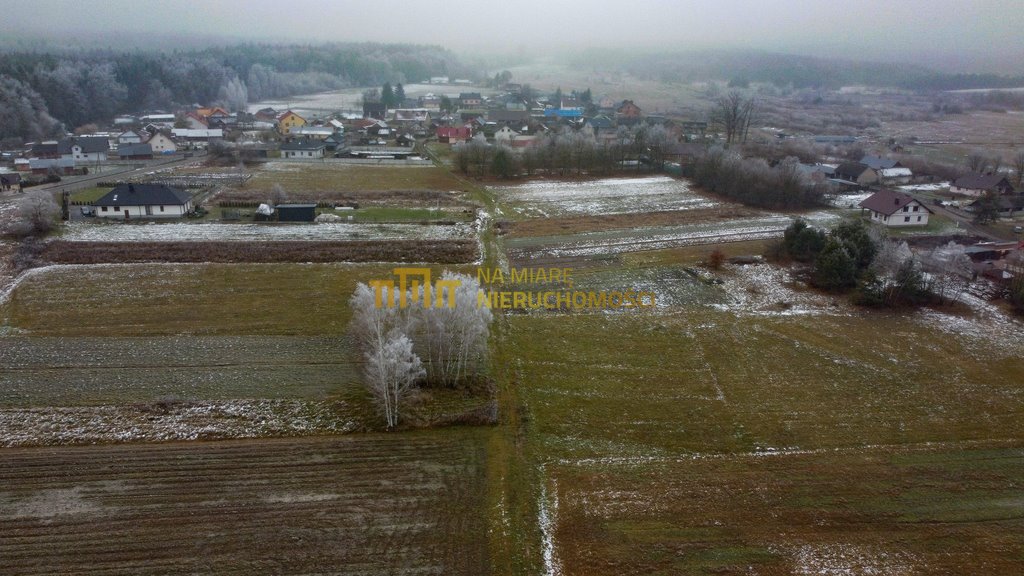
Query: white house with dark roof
(979, 184)
(303, 149)
(127, 201)
(891, 208)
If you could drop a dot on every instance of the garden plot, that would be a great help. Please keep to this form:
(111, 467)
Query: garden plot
(606, 196)
(175, 232)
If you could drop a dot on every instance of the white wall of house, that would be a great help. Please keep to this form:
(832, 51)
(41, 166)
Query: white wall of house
(81, 157)
(967, 191)
(305, 154)
(165, 211)
(162, 144)
(911, 215)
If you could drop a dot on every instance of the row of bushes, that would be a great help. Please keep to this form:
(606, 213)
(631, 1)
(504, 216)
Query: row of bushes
(754, 182)
(437, 251)
(256, 204)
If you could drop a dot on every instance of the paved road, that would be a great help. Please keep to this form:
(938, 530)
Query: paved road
(73, 183)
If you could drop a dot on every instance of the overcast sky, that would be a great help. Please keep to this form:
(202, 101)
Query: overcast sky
(985, 34)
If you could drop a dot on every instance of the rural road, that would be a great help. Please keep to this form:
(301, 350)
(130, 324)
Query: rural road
(73, 183)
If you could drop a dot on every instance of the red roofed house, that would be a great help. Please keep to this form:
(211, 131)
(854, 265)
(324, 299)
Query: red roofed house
(453, 134)
(628, 110)
(896, 209)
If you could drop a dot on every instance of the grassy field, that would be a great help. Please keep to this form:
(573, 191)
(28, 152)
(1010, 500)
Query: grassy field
(709, 441)
(188, 299)
(368, 504)
(89, 195)
(296, 177)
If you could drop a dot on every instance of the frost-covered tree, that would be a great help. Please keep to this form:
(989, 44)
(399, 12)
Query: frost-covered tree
(392, 370)
(456, 337)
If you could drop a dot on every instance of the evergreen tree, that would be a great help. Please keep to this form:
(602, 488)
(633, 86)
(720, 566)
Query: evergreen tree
(387, 95)
(399, 94)
(835, 268)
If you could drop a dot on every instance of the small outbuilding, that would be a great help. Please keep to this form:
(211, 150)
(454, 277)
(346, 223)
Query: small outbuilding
(296, 212)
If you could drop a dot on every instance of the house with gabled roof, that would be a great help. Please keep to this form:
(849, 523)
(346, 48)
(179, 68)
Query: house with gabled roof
(127, 201)
(470, 99)
(135, 152)
(288, 120)
(896, 209)
(162, 143)
(979, 184)
(303, 149)
(880, 162)
(85, 149)
(856, 173)
(628, 109)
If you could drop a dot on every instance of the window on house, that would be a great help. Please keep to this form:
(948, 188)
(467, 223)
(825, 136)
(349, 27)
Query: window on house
(906, 208)
(161, 208)
(906, 218)
(104, 209)
(915, 208)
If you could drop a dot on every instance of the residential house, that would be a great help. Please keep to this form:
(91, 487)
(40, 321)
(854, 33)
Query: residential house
(288, 120)
(85, 149)
(303, 149)
(197, 138)
(135, 152)
(891, 208)
(857, 173)
(195, 121)
(979, 184)
(599, 124)
(505, 135)
(515, 117)
(312, 132)
(880, 162)
(266, 114)
(470, 100)
(9, 180)
(453, 134)
(162, 144)
(128, 201)
(46, 149)
(817, 172)
(628, 109)
(128, 137)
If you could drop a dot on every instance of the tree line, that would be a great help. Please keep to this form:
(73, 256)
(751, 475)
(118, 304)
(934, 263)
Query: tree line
(41, 93)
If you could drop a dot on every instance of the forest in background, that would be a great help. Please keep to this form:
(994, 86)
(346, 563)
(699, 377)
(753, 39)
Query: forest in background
(744, 66)
(42, 93)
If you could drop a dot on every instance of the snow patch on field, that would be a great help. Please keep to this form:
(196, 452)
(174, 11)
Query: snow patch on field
(605, 196)
(173, 421)
(850, 560)
(925, 187)
(767, 290)
(186, 232)
(850, 200)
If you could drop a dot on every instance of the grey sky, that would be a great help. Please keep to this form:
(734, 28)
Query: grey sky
(985, 34)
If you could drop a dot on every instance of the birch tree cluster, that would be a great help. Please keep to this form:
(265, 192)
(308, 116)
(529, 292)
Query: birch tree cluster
(395, 340)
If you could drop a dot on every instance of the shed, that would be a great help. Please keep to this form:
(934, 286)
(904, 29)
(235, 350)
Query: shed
(296, 212)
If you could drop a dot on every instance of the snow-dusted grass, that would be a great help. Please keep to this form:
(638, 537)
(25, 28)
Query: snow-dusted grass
(193, 232)
(606, 196)
(177, 421)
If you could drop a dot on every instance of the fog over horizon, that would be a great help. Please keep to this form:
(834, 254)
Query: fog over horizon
(942, 34)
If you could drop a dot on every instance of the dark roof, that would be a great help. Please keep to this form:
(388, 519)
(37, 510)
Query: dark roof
(295, 206)
(135, 150)
(982, 182)
(470, 96)
(888, 202)
(854, 169)
(879, 162)
(508, 115)
(303, 145)
(10, 177)
(143, 195)
(91, 144)
(47, 148)
(600, 122)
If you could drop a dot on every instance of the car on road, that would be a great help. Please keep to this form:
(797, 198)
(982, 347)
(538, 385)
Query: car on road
(88, 211)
